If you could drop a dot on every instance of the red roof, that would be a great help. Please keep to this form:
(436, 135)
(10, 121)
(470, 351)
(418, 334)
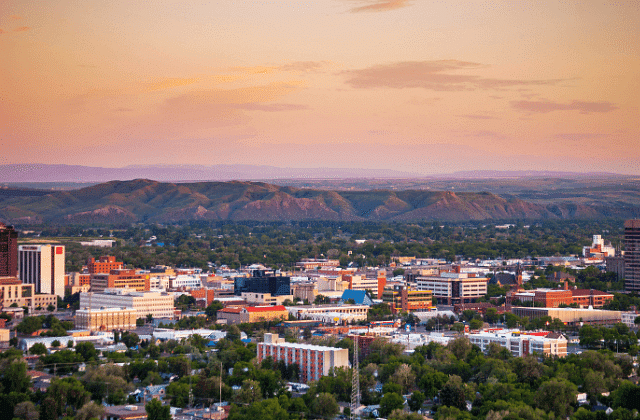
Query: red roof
(265, 308)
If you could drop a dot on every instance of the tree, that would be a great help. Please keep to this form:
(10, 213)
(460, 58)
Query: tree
(399, 414)
(14, 378)
(416, 400)
(26, 411)
(627, 396)
(476, 324)
(89, 411)
(325, 406)
(556, 395)
(452, 393)
(130, 339)
(55, 343)
(250, 392)
(391, 401)
(460, 347)
(68, 394)
(156, 411)
(404, 377)
(38, 348)
(86, 350)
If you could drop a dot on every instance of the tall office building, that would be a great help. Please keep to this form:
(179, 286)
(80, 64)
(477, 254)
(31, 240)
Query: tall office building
(8, 251)
(42, 266)
(263, 281)
(632, 255)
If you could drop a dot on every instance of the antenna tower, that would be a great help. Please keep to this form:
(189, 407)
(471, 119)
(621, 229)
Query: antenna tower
(355, 381)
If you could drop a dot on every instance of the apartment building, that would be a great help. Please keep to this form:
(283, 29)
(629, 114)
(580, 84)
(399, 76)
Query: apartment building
(106, 319)
(120, 278)
(158, 304)
(42, 266)
(452, 288)
(521, 344)
(313, 361)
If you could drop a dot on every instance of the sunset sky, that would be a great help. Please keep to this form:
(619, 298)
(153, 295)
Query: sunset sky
(420, 86)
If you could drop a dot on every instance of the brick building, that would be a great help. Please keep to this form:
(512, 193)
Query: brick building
(104, 265)
(253, 314)
(402, 298)
(120, 278)
(313, 361)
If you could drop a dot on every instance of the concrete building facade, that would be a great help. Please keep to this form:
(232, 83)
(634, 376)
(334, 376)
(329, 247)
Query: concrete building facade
(158, 304)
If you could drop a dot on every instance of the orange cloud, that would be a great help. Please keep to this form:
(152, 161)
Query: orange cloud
(1, 31)
(15, 17)
(271, 107)
(381, 5)
(433, 75)
(547, 106)
(21, 29)
(171, 83)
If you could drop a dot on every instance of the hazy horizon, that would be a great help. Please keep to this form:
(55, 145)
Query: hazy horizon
(418, 87)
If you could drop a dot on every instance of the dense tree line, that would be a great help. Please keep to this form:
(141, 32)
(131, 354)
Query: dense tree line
(196, 244)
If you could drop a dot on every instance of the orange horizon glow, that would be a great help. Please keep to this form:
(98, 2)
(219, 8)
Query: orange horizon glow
(423, 87)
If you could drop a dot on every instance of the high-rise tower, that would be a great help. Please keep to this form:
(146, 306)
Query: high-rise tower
(8, 251)
(632, 255)
(42, 266)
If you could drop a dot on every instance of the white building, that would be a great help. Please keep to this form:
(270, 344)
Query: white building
(42, 266)
(158, 304)
(330, 313)
(598, 249)
(454, 287)
(186, 281)
(629, 318)
(521, 344)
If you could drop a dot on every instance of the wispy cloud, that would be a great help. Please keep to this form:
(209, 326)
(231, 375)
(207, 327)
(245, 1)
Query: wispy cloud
(379, 5)
(171, 83)
(15, 17)
(579, 136)
(583, 107)
(296, 66)
(1, 31)
(477, 117)
(21, 29)
(271, 107)
(305, 66)
(441, 75)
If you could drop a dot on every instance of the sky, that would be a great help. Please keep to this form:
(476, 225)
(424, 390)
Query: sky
(419, 86)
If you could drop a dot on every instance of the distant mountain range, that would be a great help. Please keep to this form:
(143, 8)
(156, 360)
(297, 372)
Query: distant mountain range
(141, 200)
(40, 173)
(179, 173)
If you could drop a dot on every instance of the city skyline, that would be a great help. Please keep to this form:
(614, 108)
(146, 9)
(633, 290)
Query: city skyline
(413, 86)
